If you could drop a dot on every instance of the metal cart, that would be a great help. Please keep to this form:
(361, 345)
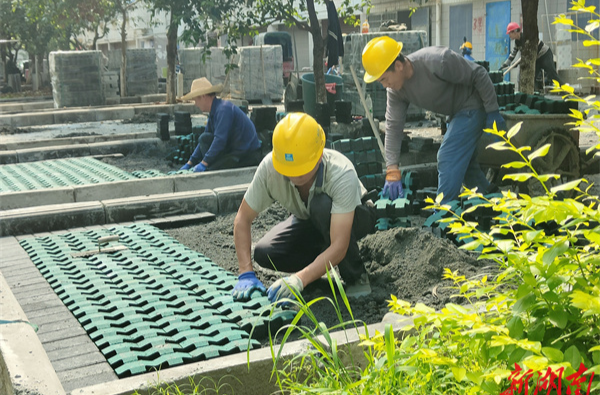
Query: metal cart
(563, 158)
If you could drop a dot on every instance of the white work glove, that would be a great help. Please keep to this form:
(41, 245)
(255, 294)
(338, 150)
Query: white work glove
(282, 288)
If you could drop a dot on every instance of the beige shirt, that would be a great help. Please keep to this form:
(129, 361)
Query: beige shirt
(340, 183)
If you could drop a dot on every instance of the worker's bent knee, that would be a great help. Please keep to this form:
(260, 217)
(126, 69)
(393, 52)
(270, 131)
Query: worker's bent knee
(262, 251)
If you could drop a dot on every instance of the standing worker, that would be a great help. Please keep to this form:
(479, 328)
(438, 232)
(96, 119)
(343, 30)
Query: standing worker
(545, 58)
(442, 81)
(466, 49)
(230, 138)
(322, 191)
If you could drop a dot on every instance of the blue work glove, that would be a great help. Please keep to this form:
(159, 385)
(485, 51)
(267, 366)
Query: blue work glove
(247, 283)
(492, 117)
(187, 166)
(199, 168)
(393, 184)
(282, 288)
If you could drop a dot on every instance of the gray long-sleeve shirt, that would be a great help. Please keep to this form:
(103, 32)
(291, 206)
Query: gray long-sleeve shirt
(443, 82)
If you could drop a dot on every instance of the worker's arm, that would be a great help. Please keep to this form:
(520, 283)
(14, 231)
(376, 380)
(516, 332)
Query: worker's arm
(395, 118)
(242, 237)
(511, 57)
(247, 280)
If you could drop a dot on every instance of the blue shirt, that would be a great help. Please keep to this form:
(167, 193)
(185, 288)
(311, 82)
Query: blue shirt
(234, 132)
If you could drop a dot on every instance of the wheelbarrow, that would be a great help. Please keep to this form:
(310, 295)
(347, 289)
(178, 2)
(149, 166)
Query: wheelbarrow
(537, 130)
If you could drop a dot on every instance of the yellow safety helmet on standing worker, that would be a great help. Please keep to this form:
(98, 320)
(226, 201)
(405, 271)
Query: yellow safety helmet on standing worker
(298, 142)
(378, 55)
(466, 44)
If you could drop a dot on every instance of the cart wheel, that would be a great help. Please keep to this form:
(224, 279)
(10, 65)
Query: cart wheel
(563, 159)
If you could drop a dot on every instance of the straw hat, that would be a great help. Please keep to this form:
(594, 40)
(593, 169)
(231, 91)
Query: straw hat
(202, 86)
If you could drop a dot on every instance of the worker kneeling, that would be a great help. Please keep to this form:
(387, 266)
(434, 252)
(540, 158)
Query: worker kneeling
(322, 191)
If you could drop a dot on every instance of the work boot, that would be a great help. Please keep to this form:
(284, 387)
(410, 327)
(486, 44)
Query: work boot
(361, 287)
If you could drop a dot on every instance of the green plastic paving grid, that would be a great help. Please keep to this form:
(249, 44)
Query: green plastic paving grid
(156, 304)
(64, 172)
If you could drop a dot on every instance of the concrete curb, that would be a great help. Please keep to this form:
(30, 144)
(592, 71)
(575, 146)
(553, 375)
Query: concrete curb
(64, 141)
(24, 365)
(91, 114)
(124, 189)
(54, 217)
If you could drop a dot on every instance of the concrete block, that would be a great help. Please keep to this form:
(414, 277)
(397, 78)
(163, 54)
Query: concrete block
(154, 98)
(113, 100)
(213, 179)
(123, 189)
(122, 147)
(189, 107)
(28, 119)
(24, 365)
(103, 114)
(73, 116)
(154, 108)
(230, 198)
(34, 198)
(51, 217)
(56, 152)
(7, 157)
(157, 206)
(130, 100)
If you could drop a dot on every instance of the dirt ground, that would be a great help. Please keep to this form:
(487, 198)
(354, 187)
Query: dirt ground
(405, 262)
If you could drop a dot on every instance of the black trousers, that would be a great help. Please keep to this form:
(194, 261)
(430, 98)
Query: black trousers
(229, 160)
(546, 63)
(293, 244)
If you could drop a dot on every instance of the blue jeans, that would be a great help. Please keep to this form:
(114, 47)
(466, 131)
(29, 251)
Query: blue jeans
(457, 156)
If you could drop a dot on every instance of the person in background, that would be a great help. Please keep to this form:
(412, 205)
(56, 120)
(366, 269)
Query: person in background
(466, 49)
(230, 138)
(545, 58)
(439, 80)
(322, 191)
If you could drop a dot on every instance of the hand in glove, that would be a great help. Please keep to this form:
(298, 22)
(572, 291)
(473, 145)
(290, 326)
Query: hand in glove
(282, 288)
(393, 184)
(247, 283)
(199, 168)
(503, 67)
(187, 166)
(492, 117)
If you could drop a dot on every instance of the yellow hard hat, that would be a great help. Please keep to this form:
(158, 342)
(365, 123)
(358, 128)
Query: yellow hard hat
(466, 45)
(378, 55)
(298, 142)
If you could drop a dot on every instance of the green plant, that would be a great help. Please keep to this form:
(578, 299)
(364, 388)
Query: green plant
(537, 316)
(206, 386)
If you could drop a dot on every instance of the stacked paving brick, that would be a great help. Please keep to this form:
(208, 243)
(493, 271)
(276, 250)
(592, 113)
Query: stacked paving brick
(141, 72)
(76, 78)
(413, 40)
(153, 303)
(512, 102)
(258, 74)
(193, 65)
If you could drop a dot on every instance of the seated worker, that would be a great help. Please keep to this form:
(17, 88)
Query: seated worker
(466, 49)
(230, 138)
(322, 191)
(545, 59)
(442, 81)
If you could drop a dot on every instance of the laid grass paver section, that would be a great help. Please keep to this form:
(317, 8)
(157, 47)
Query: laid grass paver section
(66, 172)
(153, 305)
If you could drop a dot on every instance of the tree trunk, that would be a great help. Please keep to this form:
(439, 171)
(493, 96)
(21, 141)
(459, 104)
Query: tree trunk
(529, 51)
(171, 57)
(124, 53)
(318, 53)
